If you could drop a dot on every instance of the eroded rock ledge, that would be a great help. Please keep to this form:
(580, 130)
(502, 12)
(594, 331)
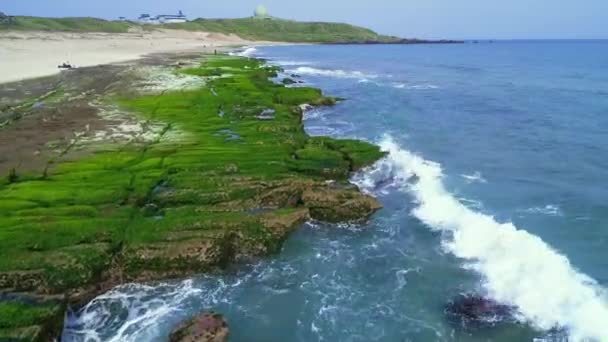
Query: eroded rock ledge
(208, 327)
(226, 174)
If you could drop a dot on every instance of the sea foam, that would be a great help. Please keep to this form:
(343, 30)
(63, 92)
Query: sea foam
(133, 311)
(415, 86)
(290, 63)
(475, 177)
(337, 73)
(247, 52)
(517, 268)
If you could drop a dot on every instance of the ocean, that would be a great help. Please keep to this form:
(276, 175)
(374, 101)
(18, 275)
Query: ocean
(494, 185)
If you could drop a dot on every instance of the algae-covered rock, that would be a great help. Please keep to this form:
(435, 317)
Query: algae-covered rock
(321, 161)
(288, 81)
(185, 202)
(281, 222)
(208, 327)
(187, 254)
(339, 205)
(24, 318)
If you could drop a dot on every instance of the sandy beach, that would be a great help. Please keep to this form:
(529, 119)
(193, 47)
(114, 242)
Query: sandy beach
(25, 55)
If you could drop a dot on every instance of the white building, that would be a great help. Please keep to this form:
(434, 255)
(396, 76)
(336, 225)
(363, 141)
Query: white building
(163, 19)
(171, 18)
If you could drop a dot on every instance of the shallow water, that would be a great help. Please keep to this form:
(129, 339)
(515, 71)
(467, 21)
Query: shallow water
(493, 185)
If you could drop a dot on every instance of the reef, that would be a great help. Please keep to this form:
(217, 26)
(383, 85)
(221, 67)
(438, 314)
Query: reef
(217, 173)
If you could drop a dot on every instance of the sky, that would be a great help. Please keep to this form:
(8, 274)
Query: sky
(452, 19)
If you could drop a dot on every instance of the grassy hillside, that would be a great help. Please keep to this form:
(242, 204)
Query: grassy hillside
(64, 24)
(248, 28)
(286, 30)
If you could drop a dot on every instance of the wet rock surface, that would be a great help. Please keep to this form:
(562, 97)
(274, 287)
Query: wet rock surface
(208, 327)
(471, 311)
(337, 205)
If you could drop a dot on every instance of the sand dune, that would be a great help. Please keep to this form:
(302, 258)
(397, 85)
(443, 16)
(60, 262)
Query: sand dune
(26, 55)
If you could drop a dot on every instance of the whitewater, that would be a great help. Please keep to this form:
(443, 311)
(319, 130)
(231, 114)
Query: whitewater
(518, 268)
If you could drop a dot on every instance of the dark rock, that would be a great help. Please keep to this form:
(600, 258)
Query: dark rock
(473, 311)
(8, 116)
(288, 81)
(334, 205)
(208, 327)
(151, 210)
(65, 66)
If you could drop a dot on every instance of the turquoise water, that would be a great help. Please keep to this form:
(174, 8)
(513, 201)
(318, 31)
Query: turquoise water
(494, 184)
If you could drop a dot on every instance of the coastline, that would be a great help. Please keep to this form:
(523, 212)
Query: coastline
(287, 199)
(404, 41)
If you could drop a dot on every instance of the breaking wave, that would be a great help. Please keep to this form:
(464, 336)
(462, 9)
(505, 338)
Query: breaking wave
(337, 73)
(247, 52)
(517, 268)
(128, 313)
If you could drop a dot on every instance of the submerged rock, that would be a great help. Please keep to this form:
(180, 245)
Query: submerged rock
(208, 327)
(474, 311)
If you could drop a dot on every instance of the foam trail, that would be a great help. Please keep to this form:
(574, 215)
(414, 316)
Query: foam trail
(518, 268)
(549, 209)
(144, 306)
(475, 177)
(331, 73)
(290, 63)
(415, 86)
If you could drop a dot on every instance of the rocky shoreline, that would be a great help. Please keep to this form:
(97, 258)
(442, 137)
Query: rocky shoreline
(215, 171)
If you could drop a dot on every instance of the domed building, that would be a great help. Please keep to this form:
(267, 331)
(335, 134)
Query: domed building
(261, 12)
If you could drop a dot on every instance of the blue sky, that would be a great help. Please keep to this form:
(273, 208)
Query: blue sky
(499, 19)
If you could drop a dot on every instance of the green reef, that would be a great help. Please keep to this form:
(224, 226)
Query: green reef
(230, 173)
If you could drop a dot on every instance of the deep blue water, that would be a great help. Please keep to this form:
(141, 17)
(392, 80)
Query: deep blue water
(480, 136)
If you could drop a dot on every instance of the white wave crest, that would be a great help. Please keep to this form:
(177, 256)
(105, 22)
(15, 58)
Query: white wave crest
(518, 268)
(290, 63)
(337, 73)
(549, 209)
(476, 177)
(143, 305)
(247, 52)
(415, 86)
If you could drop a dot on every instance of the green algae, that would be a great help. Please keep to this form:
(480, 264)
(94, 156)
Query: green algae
(16, 314)
(172, 207)
(21, 320)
